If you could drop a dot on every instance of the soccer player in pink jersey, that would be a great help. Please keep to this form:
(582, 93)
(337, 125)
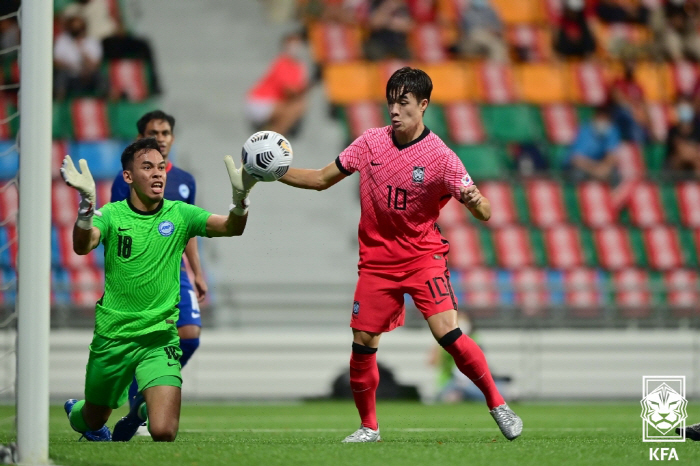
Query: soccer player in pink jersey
(406, 175)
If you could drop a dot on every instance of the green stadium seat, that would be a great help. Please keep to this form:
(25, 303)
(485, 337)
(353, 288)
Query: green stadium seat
(513, 123)
(62, 123)
(588, 247)
(585, 113)
(488, 252)
(482, 161)
(688, 247)
(124, 115)
(434, 118)
(538, 249)
(655, 157)
(520, 201)
(637, 244)
(571, 203)
(670, 203)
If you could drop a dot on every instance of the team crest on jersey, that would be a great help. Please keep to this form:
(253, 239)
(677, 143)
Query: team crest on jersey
(355, 308)
(184, 190)
(418, 174)
(166, 228)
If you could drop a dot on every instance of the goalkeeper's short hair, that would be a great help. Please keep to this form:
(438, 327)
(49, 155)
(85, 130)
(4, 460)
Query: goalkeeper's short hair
(136, 147)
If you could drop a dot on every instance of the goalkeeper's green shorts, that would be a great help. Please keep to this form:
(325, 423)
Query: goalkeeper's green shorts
(154, 359)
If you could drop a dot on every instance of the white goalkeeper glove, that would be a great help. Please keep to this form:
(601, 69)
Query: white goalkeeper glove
(241, 184)
(85, 185)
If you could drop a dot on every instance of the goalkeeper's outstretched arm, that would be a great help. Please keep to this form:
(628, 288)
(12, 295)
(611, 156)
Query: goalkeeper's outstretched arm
(313, 179)
(85, 236)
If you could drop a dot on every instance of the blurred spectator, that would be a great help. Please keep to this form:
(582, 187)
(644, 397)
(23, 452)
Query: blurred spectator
(278, 101)
(100, 23)
(77, 60)
(683, 141)
(9, 33)
(389, 24)
(594, 151)
(123, 45)
(628, 106)
(678, 30)
(622, 11)
(482, 32)
(573, 37)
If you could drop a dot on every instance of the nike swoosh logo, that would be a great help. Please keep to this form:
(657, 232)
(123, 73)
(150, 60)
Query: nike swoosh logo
(195, 315)
(374, 164)
(123, 229)
(438, 302)
(171, 364)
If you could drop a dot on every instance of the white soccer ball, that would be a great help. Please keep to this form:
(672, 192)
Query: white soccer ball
(267, 155)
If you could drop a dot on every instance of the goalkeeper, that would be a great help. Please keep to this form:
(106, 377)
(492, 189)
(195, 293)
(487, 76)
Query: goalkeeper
(135, 334)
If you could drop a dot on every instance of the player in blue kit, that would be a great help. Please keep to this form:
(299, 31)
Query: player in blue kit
(180, 187)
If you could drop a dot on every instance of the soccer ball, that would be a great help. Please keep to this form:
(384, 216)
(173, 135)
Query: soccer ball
(266, 156)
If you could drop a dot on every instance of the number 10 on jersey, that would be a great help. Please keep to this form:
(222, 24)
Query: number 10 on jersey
(399, 198)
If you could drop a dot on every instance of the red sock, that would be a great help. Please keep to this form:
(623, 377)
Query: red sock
(471, 362)
(364, 380)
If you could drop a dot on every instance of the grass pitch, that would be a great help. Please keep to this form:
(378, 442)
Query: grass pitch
(413, 434)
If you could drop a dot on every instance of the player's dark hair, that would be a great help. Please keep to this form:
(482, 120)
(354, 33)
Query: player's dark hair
(136, 147)
(154, 115)
(409, 80)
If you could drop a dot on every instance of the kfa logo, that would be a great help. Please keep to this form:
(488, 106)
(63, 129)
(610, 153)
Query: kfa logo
(662, 454)
(418, 174)
(664, 409)
(355, 307)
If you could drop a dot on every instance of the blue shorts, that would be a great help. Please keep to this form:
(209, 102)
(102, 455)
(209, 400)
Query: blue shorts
(188, 306)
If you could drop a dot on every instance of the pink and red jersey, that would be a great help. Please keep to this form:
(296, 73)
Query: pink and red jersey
(402, 189)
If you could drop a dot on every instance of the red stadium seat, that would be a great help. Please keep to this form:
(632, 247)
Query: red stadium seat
(663, 247)
(465, 247)
(632, 292)
(9, 203)
(613, 247)
(685, 75)
(563, 246)
(645, 206)
(582, 290)
(688, 194)
(427, 43)
(495, 83)
(452, 214)
(480, 288)
(561, 123)
(335, 43)
(69, 259)
(589, 85)
(682, 289)
(362, 116)
(596, 203)
(87, 285)
(59, 149)
(384, 70)
(513, 248)
(630, 161)
(90, 121)
(64, 204)
(464, 123)
(129, 78)
(104, 191)
(545, 202)
(532, 41)
(12, 244)
(500, 194)
(531, 291)
(660, 118)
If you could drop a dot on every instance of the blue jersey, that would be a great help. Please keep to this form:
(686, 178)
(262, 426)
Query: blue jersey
(179, 186)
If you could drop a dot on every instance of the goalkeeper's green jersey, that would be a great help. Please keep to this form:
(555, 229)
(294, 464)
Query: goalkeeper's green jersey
(143, 251)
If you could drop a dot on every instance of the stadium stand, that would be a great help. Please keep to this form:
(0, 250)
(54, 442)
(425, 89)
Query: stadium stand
(580, 249)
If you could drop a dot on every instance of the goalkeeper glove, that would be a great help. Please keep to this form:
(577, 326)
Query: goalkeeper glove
(241, 183)
(85, 185)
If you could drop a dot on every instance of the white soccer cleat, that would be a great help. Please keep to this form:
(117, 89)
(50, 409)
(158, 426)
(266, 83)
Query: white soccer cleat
(143, 432)
(362, 435)
(510, 423)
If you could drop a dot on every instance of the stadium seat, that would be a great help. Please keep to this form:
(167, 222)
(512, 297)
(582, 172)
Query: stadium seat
(382, 72)
(9, 159)
(632, 292)
(124, 115)
(8, 246)
(104, 191)
(512, 123)
(682, 291)
(482, 162)
(452, 214)
(464, 123)
(655, 157)
(588, 83)
(9, 119)
(103, 157)
(434, 119)
(560, 122)
(64, 204)
(360, 116)
(663, 248)
(333, 42)
(59, 149)
(90, 120)
(670, 203)
(67, 258)
(87, 284)
(654, 79)
(450, 82)
(494, 83)
(541, 83)
(465, 247)
(645, 206)
(563, 247)
(630, 161)
(613, 247)
(596, 203)
(531, 42)
(349, 82)
(513, 247)
(660, 118)
(582, 291)
(9, 203)
(60, 287)
(129, 78)
(8, 284)
(531, 291)
(522, 11)
(685, 75)
(571, 203)
(62, 124)
(499, 193)
(480, 293)
(428, 43)
(688, 194)
(545, 202)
